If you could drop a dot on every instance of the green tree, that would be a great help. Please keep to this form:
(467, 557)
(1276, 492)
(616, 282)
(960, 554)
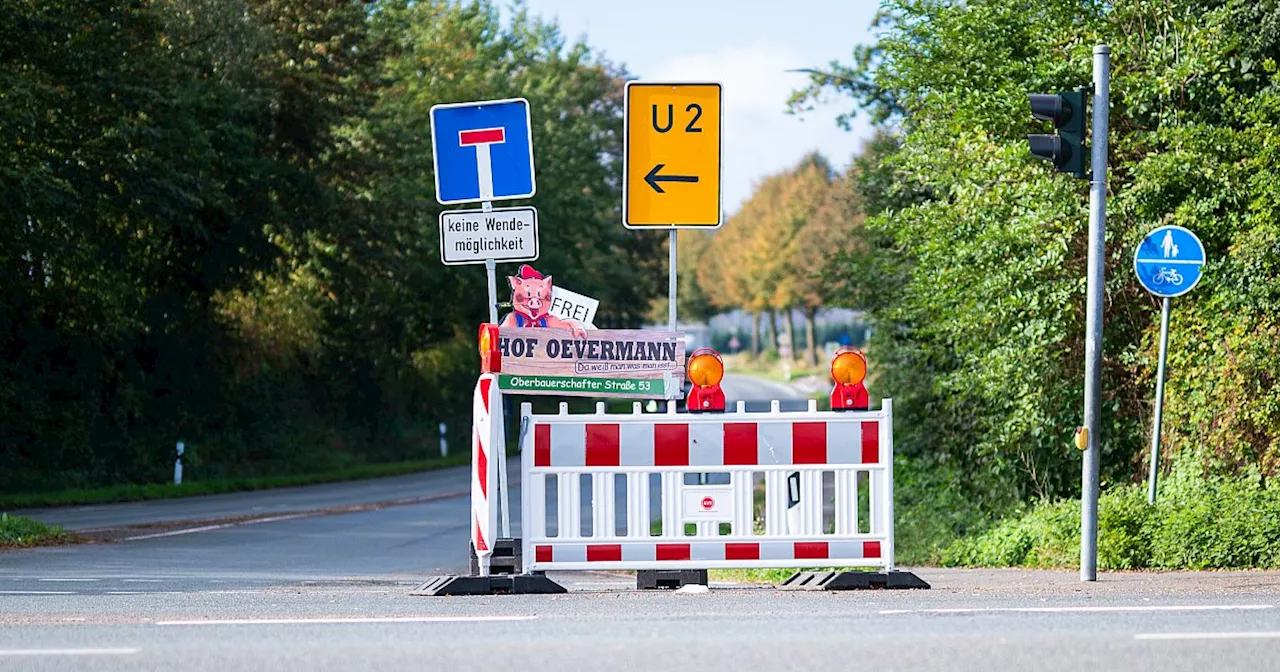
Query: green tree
(972, 264)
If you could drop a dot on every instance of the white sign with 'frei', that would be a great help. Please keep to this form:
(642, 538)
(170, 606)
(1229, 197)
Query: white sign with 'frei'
(568, 305)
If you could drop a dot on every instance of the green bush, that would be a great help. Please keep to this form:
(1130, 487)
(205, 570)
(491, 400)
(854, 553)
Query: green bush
(1044, 537)
(1124, 529)
(935, 505)
(1197, 523)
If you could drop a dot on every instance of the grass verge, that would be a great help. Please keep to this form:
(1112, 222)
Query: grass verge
(19, 532)
(140, 492)
(776, 575)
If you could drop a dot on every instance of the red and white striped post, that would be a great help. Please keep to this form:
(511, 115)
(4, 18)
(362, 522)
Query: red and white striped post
(487, 451)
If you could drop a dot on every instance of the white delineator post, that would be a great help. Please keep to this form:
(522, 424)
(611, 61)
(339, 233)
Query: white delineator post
(1093, 314)
(177, 464)
(444, 440)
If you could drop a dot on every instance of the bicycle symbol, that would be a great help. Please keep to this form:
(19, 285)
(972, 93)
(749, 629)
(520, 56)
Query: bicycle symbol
(1169, 275)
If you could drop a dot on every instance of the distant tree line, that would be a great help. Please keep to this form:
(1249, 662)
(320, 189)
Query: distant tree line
(770, 257)
(217, 224)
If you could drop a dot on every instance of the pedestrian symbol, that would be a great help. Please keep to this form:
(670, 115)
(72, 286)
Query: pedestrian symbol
(1169, 261)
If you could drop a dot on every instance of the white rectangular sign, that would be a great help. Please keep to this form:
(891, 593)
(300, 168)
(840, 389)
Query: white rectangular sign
(702, 503)
(502, 234)
(568, 305)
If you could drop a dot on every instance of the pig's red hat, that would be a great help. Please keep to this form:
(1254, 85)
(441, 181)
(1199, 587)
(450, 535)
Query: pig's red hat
(527, 273)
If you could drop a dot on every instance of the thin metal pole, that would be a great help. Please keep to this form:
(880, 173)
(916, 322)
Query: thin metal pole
(498, 414)
(490, 268)
(671, 284)
(1155, 430)
(1093, 314)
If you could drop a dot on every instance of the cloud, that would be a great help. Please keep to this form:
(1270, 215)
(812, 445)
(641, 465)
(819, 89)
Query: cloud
(760, 137)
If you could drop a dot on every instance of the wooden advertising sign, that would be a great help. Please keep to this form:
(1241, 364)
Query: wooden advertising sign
(632, 363)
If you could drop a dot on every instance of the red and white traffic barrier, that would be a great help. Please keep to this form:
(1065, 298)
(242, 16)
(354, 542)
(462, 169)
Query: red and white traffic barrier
(486, 454)
(637, 450)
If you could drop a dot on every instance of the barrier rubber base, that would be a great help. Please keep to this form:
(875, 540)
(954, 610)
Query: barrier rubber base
(505, 559)
(659, 579)
(854, 581)
(498, 584)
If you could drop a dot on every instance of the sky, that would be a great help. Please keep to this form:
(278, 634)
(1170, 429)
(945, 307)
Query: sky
(748, 46)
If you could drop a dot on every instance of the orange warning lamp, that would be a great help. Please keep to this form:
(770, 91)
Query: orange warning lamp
(848, 370)
(706, 370)
(490, 355)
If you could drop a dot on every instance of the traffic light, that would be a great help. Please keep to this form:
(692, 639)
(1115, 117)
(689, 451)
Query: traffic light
(1066, 149)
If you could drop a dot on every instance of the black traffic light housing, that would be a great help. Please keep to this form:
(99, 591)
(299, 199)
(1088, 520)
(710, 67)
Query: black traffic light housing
(1066, 149)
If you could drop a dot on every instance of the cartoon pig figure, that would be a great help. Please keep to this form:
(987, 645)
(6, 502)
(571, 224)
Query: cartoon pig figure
(531, 299)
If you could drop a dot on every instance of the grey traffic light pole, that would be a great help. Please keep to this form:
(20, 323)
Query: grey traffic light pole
(1093, 317)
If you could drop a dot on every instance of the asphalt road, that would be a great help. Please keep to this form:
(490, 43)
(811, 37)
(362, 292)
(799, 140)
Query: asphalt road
(278, 501)
(757, 394)
(290, 588)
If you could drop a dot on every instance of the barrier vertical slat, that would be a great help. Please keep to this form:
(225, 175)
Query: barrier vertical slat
(564, 499)
(855, 497)
(597, 506)
(743, 503)
(775, 503)
(811, 502)
(635, 522)
(846, 502)
(671, 526)
(603, 521)
(644, 502)
(886, 454)
(574, 485)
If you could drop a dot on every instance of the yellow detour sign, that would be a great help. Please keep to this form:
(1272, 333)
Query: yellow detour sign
(671, 151)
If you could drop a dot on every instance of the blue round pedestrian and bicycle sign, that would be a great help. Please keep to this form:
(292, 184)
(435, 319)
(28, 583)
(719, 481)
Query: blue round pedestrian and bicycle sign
(1169, 261)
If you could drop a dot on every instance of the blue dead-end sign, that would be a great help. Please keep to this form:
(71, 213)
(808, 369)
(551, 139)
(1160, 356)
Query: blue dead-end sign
(1169, 261)
(483, 151)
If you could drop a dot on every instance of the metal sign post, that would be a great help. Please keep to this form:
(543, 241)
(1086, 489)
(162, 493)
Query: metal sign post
(483, 152)
(1169, 262)
(1159, 414)
(671, 285)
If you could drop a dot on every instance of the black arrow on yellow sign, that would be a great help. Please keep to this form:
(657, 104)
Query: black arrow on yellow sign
(653, 178)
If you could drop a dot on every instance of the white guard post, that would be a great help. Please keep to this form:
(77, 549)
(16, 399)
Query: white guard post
(487, 452)
(629, 450)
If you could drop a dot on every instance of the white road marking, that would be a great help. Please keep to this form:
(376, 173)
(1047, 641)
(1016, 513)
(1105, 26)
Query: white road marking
(71, 580)
(174, 533)
(372, 619)
(142, 580)
(37, 592)
(68, 652)
(1206, 635)
(126, 592)
(1051, 610)
(210, 528)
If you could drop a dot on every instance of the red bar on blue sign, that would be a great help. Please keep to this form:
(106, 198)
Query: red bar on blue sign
(482, 136)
